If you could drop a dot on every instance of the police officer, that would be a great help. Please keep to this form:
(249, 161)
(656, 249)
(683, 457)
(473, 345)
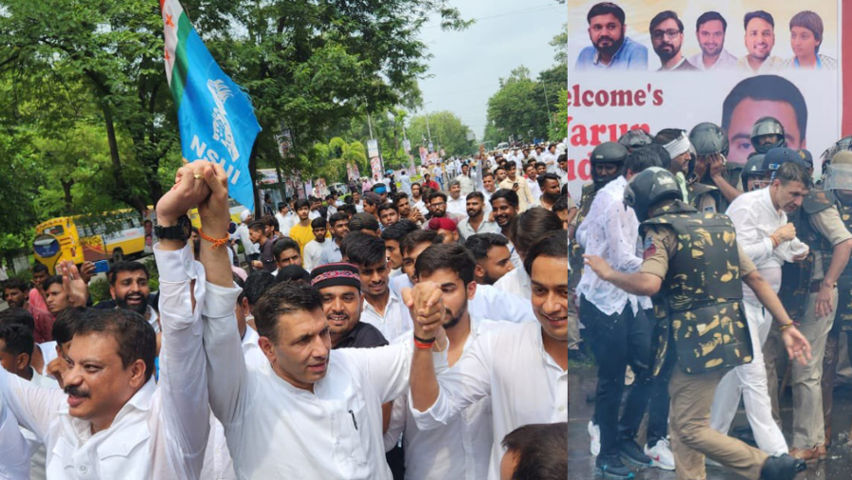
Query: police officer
(819, 226)
(754, 176)
(711, 166)
(635, 138)
(694, 269)
(838, 186)
(767, 133)
(705, 198)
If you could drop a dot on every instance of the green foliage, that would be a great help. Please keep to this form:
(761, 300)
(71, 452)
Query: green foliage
(559, 126)
(335, 155)
(447, 132)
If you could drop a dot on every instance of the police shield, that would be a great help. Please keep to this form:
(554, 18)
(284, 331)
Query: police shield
(838, 177)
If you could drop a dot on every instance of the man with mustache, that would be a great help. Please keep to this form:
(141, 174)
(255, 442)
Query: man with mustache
(710, 29)
(759, 39)
(113, 420)
(128, 287)
(610, 48)
(339, 286)
(667, 38)
(476, 222)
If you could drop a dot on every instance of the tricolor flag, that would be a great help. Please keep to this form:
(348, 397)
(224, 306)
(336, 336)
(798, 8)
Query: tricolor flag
(216, 119)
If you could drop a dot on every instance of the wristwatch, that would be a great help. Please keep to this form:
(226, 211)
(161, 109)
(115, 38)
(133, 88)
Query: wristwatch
(181, 231)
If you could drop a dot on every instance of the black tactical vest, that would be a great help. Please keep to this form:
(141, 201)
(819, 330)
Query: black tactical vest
(796, 277)
(702, 293)
(844, 283)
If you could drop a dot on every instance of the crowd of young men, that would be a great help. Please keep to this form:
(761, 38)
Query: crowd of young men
(699, 276)
(372, 338)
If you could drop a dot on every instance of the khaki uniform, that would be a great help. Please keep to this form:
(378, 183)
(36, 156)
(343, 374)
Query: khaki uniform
(821, 230)
(699, 311)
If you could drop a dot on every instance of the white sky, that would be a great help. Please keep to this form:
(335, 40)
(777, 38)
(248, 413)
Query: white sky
(466, 66)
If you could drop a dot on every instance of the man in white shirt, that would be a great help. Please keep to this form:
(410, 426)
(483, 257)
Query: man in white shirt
(113, 420)
(492, 256)
(765, 236)
(519, 186)
(357, 201)
(251, 249)
(314, 248)
(383, 308)
(465, 182)
(459, 450)
(532, 181)
(526, 230)
(521, 369)
(456, 203)
(611, 231)
(549, 158)
(339, 225)
(562, 169)
(417, 200)
(286, 218)
(405, 181)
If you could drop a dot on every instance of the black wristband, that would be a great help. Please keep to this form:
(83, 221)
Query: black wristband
(423, 340)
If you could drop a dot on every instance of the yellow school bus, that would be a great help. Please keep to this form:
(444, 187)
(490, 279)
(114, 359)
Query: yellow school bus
(234, 208)
(110, 235)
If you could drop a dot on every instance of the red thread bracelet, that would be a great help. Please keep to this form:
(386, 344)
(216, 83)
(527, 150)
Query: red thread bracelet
(217, 242)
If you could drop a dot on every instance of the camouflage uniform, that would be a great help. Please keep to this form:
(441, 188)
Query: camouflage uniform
(818, 225)
(702, 331)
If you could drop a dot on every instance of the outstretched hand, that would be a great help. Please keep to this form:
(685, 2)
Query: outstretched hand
(796, 344)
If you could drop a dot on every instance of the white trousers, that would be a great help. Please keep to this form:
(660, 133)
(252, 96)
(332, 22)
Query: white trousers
(749, 380)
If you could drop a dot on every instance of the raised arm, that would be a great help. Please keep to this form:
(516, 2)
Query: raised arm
(183, 381)
(226, 368)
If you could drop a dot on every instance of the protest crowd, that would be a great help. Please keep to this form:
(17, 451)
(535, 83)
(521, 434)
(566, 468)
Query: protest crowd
(410, 329)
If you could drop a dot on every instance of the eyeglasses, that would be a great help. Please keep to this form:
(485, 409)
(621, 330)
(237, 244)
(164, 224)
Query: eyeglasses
(671, 33)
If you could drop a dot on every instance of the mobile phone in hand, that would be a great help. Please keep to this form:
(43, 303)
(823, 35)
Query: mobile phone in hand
(102, 266)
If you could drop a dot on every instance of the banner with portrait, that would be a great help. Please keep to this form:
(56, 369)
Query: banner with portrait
(674, 64)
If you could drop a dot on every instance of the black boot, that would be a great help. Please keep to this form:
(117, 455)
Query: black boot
(782, 467)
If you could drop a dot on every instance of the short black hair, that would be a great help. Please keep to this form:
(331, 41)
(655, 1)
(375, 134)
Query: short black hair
(257, 225)
(284, 243)
(541, 449)
(709, 16)
(451, 256)
(363, 249)
(547, 176)
(51, 280)
(399, 196)
(337, 217)
(560, 204)
(17, 338)
(270, 221)
(293, 273)
(126, 266)
(39, 267)
(135, 336)
(349, 209)
(662, 17)
(477, 195)
(651, 155)
(761, 14)
(417, 237)
(530, 226)
(441, 195)
(282, 205)
(257, 283)
(16, 283)
(510, 196)
(66, 324)
(479, 244)
(387, 206)
(771, 88)
(399, 230)
(319, 222)
(17, 316)
(282, 299)
(301, 203)
(605, 8)
(554, 244)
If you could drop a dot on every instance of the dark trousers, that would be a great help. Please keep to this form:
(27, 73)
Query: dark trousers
(651, 392)
(612, 340)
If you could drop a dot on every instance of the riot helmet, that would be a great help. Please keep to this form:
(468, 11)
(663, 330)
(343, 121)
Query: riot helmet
(838, 174)
(607, 153)
(708, 139)
(634, 139)
(767, 133)
(649, 187)
(844, 143)
(777, 156)
(754, 171)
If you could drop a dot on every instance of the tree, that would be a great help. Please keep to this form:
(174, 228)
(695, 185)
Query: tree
(517, 110)
(335, 156)
(447, 132)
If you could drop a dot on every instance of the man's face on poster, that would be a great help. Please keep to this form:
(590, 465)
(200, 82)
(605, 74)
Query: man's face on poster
(759, 38)
(606, 34)
(711, 38)
(749, 111)
(666, 39)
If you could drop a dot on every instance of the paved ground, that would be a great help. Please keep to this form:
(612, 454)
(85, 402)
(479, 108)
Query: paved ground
(581, 464)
